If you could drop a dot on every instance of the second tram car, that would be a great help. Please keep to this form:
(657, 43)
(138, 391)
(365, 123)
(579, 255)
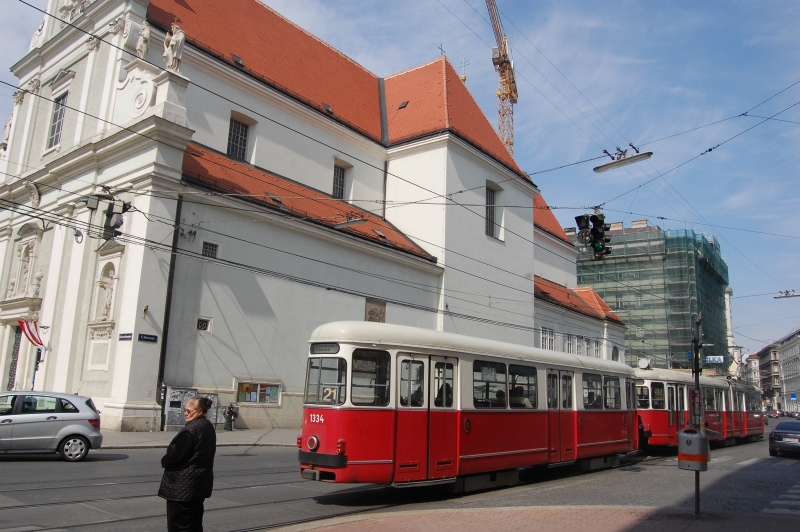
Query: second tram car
(391, 404)
(731, 409)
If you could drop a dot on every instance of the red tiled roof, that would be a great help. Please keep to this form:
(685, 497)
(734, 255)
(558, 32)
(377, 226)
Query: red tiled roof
(438, 100)
(544, 219)
(280, 53)
(577, 300)
(588, 294)
(208, 168)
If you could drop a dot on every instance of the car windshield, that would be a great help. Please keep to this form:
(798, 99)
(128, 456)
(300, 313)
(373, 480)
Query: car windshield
(788, 426)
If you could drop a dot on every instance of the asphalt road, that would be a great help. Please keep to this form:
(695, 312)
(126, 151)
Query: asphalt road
(259, 488)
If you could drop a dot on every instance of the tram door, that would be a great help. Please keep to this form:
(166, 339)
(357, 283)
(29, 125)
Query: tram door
(681, 406)
(411, 453)
(673, 414)
(443, 424)
(560, 416)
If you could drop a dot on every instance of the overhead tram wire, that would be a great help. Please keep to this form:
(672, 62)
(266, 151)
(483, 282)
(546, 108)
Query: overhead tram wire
(272, 120)
(167, 248)
(617, 130)
(709, 150)
(626, 138)
(287, 127)
(129, 129)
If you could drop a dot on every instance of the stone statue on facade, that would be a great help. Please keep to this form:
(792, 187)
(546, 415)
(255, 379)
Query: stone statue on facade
(173, 48)
(109, 288)
(7, 132)
(144, 41)
(36, 36)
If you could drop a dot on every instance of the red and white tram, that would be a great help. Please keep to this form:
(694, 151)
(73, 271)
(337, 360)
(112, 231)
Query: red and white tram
(390, 404)
(730, 408)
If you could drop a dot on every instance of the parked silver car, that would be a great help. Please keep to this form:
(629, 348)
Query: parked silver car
(43, 422)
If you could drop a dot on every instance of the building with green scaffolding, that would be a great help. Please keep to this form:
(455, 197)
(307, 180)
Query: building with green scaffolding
(658, 280)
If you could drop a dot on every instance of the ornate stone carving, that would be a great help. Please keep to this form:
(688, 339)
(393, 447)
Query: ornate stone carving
(144, 40)
(116, 26)
(92, 44)
(37, 283)
(33, 85)
(7, 133)
(11, 289)
(140, 75)
(37, 36)
(126, 28)
(101, 333)
(33, 193)
(173, 48)
(18, 97)
(73, 9)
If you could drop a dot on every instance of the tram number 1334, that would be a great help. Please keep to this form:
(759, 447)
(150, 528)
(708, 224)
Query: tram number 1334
(316, 418)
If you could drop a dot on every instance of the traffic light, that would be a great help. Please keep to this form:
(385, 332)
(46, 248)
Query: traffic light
(114, 219)
(598, 236)
(584, 235)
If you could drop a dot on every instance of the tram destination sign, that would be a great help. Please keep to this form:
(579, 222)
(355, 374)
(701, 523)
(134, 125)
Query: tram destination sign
(715, 360)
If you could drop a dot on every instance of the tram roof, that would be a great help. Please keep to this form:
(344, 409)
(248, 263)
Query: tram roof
(670, 375)
(414, 337)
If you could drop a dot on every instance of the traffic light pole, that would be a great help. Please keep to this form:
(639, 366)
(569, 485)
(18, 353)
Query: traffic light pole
(697, 421)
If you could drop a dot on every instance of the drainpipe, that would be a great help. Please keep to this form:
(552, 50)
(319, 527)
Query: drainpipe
(167, 308)
(384, 137)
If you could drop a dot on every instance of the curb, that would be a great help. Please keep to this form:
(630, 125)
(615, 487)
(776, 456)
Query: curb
(165, 445)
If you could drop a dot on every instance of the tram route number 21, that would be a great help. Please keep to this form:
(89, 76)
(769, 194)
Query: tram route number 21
(316, 418)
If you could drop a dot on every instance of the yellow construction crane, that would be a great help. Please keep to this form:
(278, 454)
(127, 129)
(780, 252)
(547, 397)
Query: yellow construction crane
(507, 90)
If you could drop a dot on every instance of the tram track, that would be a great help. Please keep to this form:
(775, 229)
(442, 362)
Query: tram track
(141, 496)
(153, 478)
(103, 525)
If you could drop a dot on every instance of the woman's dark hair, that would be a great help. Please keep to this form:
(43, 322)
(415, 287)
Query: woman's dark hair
(203, 403)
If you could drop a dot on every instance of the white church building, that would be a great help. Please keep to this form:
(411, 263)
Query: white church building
(265, 185)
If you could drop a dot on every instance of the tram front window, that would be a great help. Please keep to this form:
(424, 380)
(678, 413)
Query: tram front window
(326, 381)
(370, 377)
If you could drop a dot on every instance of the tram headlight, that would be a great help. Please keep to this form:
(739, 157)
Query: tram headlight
(313, 443)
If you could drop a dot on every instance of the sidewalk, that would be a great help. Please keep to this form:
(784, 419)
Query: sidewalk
(247, 437)
(549, 518)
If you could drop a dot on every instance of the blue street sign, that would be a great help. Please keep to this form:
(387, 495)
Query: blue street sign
(715, 360)
(794, 397)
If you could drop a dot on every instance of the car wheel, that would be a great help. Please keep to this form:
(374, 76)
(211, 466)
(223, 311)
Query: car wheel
(73, 448)
(773, 452)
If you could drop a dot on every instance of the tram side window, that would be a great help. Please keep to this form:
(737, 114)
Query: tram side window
(753, 402)
(658, 396)
(412, 383)
(612, 393)
(443, 384)
(642, 395)
(521, 386)
(709, 402)
(326, 381)
(370, 377)
(488, 384)
(552, 390)
(592, 391)
(719, 394)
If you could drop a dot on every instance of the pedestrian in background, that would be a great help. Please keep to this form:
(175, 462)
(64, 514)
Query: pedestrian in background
(189, 469)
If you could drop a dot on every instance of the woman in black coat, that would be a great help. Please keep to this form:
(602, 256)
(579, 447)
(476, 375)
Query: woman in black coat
(189, 469)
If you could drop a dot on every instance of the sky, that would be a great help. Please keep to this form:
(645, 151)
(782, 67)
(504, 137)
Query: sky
(596, 75)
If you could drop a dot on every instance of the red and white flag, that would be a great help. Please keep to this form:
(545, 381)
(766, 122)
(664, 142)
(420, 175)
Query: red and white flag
(31, 331)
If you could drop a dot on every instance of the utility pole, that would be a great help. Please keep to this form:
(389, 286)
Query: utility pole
(697, 417)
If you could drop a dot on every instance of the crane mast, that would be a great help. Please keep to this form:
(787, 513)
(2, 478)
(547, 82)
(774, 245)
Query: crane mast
(507, 89)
